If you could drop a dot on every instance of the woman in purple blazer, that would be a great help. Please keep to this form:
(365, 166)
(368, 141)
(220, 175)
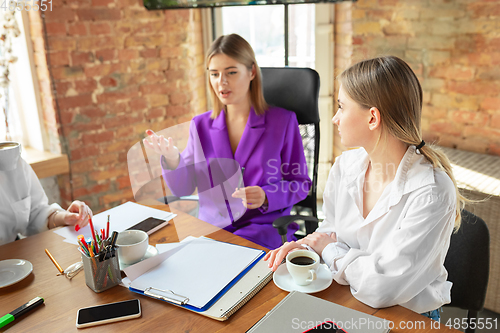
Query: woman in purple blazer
(245, 158)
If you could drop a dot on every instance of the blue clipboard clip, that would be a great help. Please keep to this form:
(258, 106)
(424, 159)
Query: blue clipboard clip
(166, 295)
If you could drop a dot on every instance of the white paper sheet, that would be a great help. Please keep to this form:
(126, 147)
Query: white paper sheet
(121, 217)
(164, 247)
(199, 270)
(141, 267)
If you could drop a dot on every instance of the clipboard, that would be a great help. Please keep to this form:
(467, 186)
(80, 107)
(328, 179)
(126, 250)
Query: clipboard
(235, 292)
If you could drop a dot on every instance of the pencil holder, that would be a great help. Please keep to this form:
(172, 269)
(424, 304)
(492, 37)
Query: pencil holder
(101, 275)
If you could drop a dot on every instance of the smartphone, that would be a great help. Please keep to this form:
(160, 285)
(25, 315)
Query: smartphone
(327, 326)
(149, 225)
(108, 313)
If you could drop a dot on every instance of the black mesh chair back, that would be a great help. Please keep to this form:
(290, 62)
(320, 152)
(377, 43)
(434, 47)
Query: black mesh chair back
(468, 265)
(297, 90)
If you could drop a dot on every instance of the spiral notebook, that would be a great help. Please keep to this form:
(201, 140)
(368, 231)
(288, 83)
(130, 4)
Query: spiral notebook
(203, 272)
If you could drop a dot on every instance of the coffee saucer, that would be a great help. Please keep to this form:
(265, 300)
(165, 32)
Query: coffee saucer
(13, 271)
(150, 252)
(283, 280)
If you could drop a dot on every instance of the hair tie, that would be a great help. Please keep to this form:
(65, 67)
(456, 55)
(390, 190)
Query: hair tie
(421, 144)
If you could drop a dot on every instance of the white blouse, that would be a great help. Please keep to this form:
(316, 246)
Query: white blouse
(24, 207)
(395, 255)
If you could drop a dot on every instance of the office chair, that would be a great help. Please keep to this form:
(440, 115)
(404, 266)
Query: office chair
(297, 90)
(468, 264)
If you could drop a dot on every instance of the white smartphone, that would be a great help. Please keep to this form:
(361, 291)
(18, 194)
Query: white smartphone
(108, 313)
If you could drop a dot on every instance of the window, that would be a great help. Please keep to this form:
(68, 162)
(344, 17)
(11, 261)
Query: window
(310, 44)
(23, 111)
(13, 122)
(264, 28)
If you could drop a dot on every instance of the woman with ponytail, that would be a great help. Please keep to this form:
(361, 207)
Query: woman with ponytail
(391, 205)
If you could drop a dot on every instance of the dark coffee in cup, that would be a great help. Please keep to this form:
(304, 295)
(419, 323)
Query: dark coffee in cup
(302, 266)
(303, 261)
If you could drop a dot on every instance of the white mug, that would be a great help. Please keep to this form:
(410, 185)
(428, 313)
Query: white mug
(132, 246)
(9, 155)
(302, 266)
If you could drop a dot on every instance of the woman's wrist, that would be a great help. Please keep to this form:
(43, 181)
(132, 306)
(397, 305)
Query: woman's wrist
(56, 219)
(51, 220)
(170, 164)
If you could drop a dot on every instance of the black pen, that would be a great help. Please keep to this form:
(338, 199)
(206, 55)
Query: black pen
(112, 245)
(8, 318)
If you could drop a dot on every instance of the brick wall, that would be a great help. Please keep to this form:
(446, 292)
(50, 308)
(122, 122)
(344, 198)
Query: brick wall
(117, 70)
(454, 48)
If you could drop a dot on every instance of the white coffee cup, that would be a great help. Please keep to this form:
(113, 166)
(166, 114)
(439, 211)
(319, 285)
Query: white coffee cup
(132, 246)
(302, 266)
(9, 155)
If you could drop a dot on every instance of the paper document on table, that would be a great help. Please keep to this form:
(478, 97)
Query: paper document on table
(121, 217)
(199, 271)
(164, 247)
(136, 270)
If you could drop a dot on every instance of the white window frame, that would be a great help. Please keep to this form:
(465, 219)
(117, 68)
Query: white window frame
(26, 92)
(325, 53)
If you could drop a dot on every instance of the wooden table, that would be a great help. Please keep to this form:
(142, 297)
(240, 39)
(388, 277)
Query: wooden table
(63, 297)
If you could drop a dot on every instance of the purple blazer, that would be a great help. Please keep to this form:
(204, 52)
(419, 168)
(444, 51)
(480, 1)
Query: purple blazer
(272, 154)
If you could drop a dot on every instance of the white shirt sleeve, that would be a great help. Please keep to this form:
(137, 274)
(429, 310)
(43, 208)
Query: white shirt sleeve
(39, 205)
(406, 263)
(396, 254)
(333, 251)
(328, 224)
(24, 207)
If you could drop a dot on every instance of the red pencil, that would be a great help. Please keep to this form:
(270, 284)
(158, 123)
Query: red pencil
(107, 229)
(92, 230)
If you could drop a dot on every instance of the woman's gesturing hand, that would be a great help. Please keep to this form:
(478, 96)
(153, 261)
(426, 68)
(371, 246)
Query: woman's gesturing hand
(252, 196)
(163, 147)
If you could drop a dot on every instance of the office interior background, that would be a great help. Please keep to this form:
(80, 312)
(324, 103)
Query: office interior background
(93, 75)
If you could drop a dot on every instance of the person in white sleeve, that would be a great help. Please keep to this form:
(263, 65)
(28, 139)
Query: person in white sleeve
(24, 207)
(391, 205)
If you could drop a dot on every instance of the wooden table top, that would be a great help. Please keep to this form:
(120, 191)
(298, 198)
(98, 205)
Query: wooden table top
(63, 297)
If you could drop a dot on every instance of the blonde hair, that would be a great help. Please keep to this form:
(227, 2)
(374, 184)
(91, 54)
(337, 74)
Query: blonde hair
(237, 48)
(390, 85)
